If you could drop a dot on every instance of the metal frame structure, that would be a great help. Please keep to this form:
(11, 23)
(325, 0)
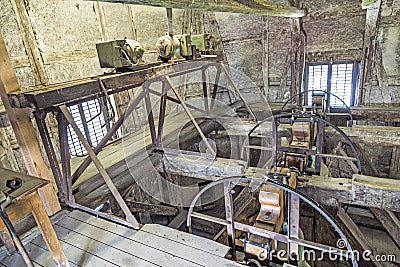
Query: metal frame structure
(63, 176)
(289, 239)
(318, 153)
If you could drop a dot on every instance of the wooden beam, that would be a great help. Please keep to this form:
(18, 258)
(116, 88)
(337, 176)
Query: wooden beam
(357, 234)
(29, 38)
(376, 113)
(24, 129)
(394, 171)
(390, 222)
(365, 191)
(179, 219)
(376, 192)
(257, 7)
(135, 206)
(371, 25)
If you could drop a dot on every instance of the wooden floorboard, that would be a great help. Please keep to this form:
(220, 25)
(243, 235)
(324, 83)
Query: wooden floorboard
(91, 241)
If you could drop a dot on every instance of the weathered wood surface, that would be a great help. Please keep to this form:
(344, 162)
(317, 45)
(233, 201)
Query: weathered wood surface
(202, 167)
(135, 206)
(376, 113)
(89, 88)
(358, 235)
(362, 190)
(23, 127)
(390, 222)
(376, 192)
(394, 169)
(91, 241)
(266, 8)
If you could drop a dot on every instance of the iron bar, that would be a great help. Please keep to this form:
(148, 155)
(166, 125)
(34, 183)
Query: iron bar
(65, 156)
(205, 90)
(129, 217)
(252, 116)
(174, 100)
(40, 117)
(215, 89)
(98, 214)
(107, 137)
(15, 238)
(230, 229)
(150, 116)
(161, 116)
(191, 117)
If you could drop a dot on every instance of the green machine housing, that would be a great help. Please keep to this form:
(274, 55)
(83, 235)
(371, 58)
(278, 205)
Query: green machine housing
(119, 53)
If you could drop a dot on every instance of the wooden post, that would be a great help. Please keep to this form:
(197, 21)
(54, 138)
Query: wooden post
(23, 128)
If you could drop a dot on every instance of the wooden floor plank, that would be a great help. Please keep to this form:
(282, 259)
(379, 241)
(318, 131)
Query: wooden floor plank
(186, 246)
(106, 251)
(75, 255)
(183, 250)
(179, 237)
(201, 244)
(102, 224)
(40, 257)
(119, 249)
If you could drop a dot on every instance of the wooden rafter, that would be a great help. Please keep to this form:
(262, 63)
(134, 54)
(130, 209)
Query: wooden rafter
(258, 7)
(390, 222)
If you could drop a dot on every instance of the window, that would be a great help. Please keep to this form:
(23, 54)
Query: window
(338, 78)
(93, 120)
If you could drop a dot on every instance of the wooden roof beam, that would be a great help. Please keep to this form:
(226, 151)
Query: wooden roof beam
(257, 7)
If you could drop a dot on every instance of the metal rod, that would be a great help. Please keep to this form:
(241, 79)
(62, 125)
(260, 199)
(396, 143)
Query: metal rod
(98, 214)
(205, 90)
(214, 93)
(51, 154)
(65, 156)
(129, 217)
(161, 117)
(15, 238)
(150, 116)
(107, 137)
(252, 116)
(174, 100)
(230, 217)
(191, 117)
(169, 17)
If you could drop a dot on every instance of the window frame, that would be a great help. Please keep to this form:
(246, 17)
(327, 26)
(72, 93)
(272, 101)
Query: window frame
(354, 82)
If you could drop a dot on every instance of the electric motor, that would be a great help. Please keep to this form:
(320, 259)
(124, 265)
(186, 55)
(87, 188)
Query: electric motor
(168, 47)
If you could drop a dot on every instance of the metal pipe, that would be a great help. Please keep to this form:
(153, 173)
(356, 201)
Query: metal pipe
(15, 238)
